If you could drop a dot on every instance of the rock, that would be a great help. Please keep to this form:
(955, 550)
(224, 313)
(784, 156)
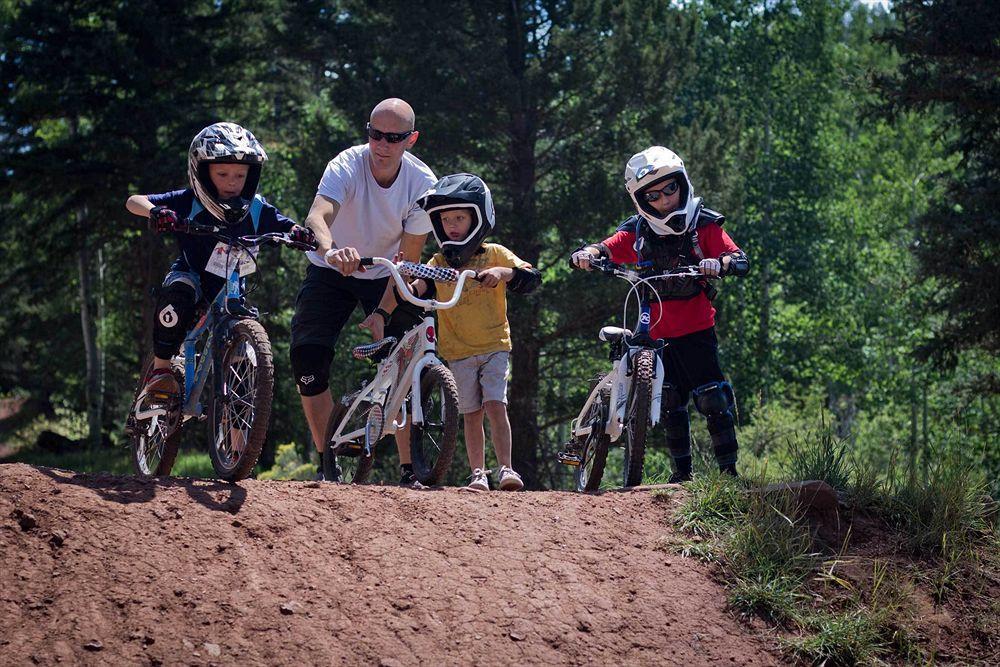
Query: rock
(213, 650)
(57, 539)
(311, 485)
(517, 635)
(389, 662)
(402, 605)
(94, 645)
(25, 520)
(290, 607)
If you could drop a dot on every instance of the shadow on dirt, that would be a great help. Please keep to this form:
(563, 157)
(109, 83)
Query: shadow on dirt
(212, 494)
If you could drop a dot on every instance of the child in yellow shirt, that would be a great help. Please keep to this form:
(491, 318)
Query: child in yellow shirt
(474, 336)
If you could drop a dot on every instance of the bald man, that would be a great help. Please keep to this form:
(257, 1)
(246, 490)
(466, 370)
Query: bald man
(365, 206)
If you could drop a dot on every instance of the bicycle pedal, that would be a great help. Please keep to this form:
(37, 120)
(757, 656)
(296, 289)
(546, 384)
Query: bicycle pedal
(351, 449)
(568, 459)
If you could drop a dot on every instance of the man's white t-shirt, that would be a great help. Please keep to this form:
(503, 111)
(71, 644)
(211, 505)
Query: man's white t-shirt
(372, 218)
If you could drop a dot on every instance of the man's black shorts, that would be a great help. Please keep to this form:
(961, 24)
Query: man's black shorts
(326, 300)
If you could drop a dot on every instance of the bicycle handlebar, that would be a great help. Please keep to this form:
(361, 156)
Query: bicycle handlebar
(607, 267)
(273, 238)
(425, 272)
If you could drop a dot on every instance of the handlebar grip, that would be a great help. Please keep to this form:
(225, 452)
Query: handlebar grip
(367, 261)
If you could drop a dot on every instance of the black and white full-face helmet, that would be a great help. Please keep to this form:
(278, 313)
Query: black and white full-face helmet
(230, 144)
(460, 191)
(648, 169)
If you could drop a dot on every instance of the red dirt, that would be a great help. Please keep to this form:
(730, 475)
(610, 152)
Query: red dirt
(99, 569)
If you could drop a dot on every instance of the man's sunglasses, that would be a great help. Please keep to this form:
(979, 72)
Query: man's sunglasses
(391, 137)
(667, 190)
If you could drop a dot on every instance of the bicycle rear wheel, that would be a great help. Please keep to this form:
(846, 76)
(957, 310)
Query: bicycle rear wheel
(432, 444)
(239, 405)
(153, 439)
(342, 468)
(594, 449)
(637, 415)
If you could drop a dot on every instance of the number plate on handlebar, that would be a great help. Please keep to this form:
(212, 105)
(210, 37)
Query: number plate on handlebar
(225, 258)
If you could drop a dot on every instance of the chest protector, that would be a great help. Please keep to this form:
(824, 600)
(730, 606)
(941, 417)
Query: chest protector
(663, 253)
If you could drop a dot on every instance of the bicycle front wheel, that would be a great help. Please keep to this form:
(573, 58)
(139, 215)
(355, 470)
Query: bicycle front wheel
(594, 454)
(637, 415)
(432, 444)
(239, 406)
(344, 468)
(153, 426)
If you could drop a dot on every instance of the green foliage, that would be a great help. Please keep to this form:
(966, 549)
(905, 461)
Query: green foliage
(819, 455)
(289, 465)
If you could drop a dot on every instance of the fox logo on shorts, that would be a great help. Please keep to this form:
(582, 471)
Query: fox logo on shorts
(306, 379)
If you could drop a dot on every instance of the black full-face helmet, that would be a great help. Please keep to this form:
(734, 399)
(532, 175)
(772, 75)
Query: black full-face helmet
(460, 191)
(226, 143)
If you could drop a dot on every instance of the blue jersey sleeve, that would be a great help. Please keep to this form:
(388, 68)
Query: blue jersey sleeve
(178, 201)
(273, 220)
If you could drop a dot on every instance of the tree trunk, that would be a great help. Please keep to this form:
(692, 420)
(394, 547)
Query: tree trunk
(764, 281)
(523, 394)
(91, 350)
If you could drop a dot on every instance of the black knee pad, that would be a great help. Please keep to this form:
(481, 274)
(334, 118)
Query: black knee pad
(311, 365)
(714, 399)
(174, 315)
(673, 399)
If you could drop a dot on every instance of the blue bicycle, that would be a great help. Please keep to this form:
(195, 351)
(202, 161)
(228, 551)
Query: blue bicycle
(227, 358)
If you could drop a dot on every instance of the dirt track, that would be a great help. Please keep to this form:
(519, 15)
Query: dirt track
(100, 569)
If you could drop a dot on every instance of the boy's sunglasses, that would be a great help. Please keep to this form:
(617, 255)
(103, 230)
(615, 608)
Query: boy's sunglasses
(391, 137)
(667, 190)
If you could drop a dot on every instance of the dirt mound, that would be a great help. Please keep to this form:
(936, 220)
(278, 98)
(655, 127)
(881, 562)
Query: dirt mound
(100, 569)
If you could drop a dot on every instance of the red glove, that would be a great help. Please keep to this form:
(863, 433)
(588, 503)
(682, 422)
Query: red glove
(162, 220)
(301, 234)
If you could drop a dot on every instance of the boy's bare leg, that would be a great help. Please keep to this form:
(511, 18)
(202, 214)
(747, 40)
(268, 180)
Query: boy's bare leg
(160, 363)
(496, 413)
(475, 439)
(317, 409)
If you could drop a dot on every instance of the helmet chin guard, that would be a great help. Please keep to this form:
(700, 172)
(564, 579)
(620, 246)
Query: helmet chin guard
(460, 191)
(647, 169)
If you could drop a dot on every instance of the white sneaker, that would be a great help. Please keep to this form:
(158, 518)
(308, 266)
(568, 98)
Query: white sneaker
(510, 480)
(480, 480)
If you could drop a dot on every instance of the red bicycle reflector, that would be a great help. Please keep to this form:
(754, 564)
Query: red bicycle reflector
(430, 334)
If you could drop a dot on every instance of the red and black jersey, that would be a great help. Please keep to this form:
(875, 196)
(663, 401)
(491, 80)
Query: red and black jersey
(681, 313)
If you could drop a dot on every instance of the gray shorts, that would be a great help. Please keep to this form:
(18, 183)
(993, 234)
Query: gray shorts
(480, 378)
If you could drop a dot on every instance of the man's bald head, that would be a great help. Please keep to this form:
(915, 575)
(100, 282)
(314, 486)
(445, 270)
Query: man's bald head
(394, 114)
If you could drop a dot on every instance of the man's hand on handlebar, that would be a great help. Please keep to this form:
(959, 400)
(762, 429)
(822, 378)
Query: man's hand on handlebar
(345, 260)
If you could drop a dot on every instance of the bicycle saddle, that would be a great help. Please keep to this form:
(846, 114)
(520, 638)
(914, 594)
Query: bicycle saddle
(376, 351)
(613, 334)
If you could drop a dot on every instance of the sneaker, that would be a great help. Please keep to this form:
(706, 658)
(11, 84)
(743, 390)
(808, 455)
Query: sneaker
(161, 381)
(510, 480)
(729, 469)
(480, 480)
(409, 481)
(679, 477)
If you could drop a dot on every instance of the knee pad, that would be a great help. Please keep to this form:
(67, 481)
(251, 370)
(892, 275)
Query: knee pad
(673, 399)
(311, 365)
(174, 314)
(714, 399)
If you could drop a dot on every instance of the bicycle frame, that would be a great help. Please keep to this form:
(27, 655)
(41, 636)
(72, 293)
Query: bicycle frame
(398, 375)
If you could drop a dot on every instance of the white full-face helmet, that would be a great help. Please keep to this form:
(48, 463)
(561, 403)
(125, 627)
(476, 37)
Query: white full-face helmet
(648, 169)
(230, 144)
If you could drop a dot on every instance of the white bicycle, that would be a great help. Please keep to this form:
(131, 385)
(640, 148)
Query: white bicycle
(625, 400)
(411, 381)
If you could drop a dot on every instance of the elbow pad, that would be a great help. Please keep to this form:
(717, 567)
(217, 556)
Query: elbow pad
(739, 265)
(524, 281)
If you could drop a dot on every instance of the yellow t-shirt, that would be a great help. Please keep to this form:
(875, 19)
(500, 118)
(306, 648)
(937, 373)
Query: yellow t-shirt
(478, 322)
